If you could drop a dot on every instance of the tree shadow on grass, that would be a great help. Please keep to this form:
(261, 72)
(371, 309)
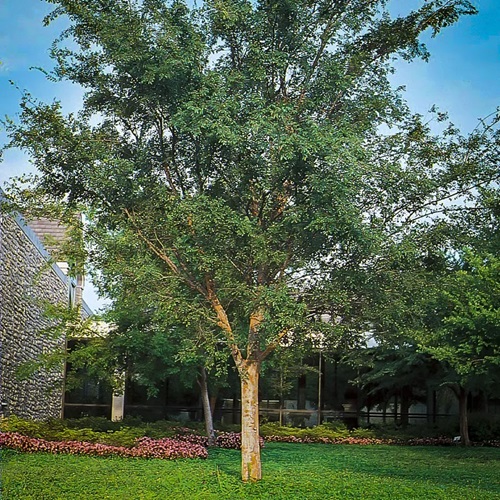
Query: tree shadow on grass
(226, 461)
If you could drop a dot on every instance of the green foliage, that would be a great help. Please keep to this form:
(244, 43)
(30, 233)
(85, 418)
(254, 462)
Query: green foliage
(237, 145)
(57, 430)
(445, 427)
(275, 429)
(363, 433)
(29, 427)
(77, 435)
(464, 331)
(323, 432)
(101, 430)
(97, 429)
(484, 427)
(330, 430)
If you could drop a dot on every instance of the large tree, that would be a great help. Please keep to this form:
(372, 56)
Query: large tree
(240, 143)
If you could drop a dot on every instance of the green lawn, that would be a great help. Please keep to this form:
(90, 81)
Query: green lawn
(291, 471)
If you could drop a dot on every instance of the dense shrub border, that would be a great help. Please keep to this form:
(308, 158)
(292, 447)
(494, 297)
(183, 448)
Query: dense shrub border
(326, 440)
(434, 441)
(168, 440)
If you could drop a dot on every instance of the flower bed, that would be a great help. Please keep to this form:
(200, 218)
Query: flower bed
(436, 441)
(183, 442)
(145, 447)
(184, 445)
(326, 440)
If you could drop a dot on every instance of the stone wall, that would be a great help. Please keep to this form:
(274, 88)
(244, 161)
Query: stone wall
(26, 278)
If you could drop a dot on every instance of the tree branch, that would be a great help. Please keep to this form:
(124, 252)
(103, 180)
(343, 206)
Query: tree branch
(223, 321)
(273, 345)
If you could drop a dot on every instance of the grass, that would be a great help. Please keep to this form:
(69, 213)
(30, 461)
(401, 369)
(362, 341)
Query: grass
(291, 471)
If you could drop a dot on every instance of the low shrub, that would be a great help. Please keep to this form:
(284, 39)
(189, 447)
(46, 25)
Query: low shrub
(98, 430)
(326, 440)
(334, 425)
(283, 439)
(30, 428)
(327, 432)
(275, 429)
(484, 427)
(102, 431)
(363, 433)
(228, 440)
(161, 429)
(126, 436)
(364, 441)
(431, 441)
(84, 434)
(53, 430)
(228, 427)
(97, 424)
(321, 432)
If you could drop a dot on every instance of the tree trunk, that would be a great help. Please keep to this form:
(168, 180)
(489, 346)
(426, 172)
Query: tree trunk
(405, 406)
(462, 409)
(282, 399)
(321, 386)
(250, 446)
(396, 408)
(431, 407)
(213, 403)
(207, 410)
(301, 393)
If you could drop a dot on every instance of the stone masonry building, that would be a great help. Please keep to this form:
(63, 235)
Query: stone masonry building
(28, 279)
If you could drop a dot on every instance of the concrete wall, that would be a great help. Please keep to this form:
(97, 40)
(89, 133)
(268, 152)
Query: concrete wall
(26, 278)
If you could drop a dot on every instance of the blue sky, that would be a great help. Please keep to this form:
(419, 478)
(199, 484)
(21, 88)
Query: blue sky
(462, 77)
(463, 74)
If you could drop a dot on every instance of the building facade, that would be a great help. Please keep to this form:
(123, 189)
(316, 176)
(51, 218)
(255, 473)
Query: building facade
(29, 280)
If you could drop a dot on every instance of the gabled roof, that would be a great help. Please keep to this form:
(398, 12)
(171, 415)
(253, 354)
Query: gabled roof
(50, 232)
(35, 232)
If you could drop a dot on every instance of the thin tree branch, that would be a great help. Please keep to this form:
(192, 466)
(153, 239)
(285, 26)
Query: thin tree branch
(273, 345)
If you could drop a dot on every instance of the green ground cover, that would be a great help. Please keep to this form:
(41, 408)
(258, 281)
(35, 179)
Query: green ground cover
(291, 471)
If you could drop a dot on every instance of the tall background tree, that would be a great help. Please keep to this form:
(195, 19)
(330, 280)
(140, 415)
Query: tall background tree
(461, 324)
(436, 300)
(240, 144)
(150, 336)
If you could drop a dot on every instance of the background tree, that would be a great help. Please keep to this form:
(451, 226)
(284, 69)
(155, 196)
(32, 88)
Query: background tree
(444, 300)
(461, 314)
(152, 338)
(463, 328)
(240, 143)
(399, 372)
